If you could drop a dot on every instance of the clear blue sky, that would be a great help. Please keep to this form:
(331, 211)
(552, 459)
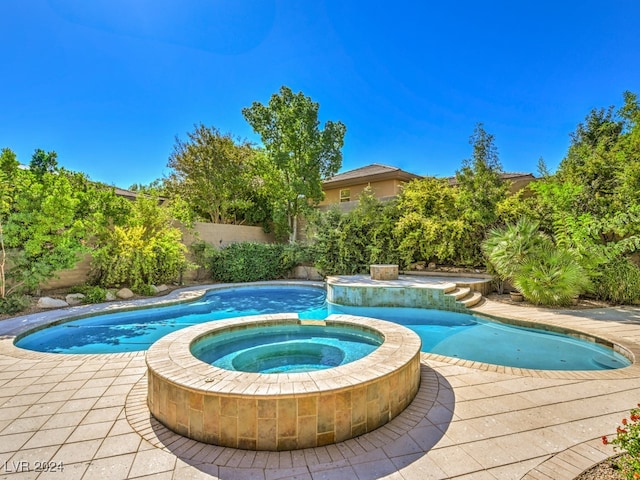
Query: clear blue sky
(108, 84)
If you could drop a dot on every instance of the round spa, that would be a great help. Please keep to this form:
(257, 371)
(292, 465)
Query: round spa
(282, 383)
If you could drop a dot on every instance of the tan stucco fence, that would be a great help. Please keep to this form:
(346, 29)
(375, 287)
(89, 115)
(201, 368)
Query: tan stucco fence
(218, 235)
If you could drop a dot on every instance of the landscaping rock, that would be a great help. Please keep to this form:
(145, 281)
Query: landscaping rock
(74, 298)
(110, 297)
(124, 293)
(48, 302)
(162, 288)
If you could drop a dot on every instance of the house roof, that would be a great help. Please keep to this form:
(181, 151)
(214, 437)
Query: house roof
(368, 173)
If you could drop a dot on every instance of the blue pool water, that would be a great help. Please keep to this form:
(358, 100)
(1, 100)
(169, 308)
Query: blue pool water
(285, 348)
(446, 333)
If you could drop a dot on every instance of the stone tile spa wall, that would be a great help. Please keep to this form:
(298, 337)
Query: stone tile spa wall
(282, 411)
(404, 293)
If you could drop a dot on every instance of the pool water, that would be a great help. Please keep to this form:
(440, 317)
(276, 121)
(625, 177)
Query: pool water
(285, 348)
(445, 333)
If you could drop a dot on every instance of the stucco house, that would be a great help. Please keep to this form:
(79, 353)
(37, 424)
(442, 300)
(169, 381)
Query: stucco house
(344, 188)
(386, 181)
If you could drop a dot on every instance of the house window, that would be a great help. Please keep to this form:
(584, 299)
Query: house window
(345, 195)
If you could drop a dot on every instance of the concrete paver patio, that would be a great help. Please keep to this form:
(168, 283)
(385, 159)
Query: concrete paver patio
(469, 420)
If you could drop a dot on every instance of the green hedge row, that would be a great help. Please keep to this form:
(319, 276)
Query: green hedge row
(251, 262)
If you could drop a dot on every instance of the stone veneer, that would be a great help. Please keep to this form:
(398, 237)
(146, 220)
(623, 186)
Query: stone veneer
(281, 411)
(383, 272)
(413, 292)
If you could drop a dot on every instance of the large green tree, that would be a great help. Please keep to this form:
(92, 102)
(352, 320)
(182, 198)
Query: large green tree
(479, 180)
(41, 228)
(299, 155)
(214, 174)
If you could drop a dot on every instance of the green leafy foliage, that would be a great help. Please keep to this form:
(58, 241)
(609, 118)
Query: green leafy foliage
(507, 248)
(618, 282)
(147, 249)
(92, 293)
(42, 227)
(550, 276)
(216, 176)
(251, 262)
(298, 154)
(14, 304)
(627, 443)
(347, 243)
(546, 272)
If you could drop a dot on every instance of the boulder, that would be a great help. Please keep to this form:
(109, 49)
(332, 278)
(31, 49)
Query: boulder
(124, 293)
(110, 297)
(74, 298)
(48, 302)
(162, 288)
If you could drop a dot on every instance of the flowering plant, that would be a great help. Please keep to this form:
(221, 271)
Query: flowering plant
(627, 440)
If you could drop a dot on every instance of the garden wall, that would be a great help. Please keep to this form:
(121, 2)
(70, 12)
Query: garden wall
(216, 234)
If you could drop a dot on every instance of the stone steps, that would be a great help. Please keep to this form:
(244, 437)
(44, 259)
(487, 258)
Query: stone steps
(466, 297)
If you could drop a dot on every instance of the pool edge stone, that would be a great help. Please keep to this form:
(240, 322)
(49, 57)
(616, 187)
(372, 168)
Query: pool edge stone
(281, 411)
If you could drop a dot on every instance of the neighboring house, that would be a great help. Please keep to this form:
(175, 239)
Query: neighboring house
(344, 188)
(386, 182)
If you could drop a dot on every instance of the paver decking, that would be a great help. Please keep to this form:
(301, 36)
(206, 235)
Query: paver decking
(469, 420)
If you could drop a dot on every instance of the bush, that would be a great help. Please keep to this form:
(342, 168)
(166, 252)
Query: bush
(618, 282)
(14, 303)
(251, 262)
(145, 289)
(147, 250)
(627, 441)
(92, 294)
(551, 277)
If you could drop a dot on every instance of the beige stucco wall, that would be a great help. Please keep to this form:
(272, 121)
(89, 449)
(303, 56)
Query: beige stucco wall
(385, 188)
(218, 235)
(221, 235)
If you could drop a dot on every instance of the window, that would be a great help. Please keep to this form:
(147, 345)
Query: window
(345, 195)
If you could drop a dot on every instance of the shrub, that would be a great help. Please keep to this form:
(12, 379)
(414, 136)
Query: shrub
(251, 262)
(627, 441)
(92, 294)
(14, 303)
(145, 289)
(146, 250)
(551, 277)
(618, 282)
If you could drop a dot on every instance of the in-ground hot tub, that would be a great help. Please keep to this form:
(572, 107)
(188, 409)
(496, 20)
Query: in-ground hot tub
(281, 411)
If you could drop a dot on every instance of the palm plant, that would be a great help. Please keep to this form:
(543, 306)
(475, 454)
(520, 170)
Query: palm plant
(551, 276)
(509, 247)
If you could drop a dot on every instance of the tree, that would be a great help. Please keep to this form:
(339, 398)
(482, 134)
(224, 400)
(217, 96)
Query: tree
(43, 162)
(42, 230)
(214, 174)
(298, 154)
(144, 249)
(8, 161)
(479, 181)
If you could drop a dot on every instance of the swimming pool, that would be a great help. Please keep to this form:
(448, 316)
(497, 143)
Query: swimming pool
(446, 333)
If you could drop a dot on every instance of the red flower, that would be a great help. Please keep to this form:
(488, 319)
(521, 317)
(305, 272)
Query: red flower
(624, 421)
(634, 417)
(621, 430)
(605, 441)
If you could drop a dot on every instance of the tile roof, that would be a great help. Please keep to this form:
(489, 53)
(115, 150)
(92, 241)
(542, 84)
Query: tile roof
(368, 171)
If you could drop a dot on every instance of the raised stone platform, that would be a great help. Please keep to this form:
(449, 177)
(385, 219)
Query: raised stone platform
(407, 291)
(383, 272)
(281, 411)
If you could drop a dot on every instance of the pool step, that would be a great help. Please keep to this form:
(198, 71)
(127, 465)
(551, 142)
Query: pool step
(466, 296)
(472, 300)
(460, 292)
